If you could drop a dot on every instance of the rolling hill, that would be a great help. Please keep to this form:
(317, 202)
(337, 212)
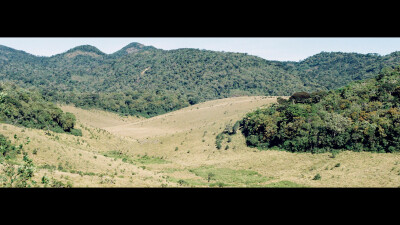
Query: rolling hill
(147, 117)
(177, 149)
(146, 81)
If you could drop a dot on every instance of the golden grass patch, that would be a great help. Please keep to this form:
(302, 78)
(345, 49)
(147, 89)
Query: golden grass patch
(177, 149)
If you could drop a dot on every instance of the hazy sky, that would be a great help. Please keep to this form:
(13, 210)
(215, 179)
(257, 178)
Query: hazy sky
(282, 49)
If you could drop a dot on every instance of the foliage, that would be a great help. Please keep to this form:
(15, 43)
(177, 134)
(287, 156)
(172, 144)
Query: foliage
(76, 132)
(218, 140)
(300, 97)
(362, 116)
(7, 149)
(27, 108)
(14, 174)
(317, 177)
(18, 176)
(146, 81)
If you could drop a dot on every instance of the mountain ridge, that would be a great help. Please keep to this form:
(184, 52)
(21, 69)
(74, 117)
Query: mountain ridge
(87, 77)
(139, 46)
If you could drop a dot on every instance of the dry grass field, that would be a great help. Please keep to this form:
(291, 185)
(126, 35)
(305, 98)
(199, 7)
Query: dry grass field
(178, 150)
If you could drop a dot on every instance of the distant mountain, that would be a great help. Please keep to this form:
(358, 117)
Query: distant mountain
(143, 80)
(331, 70)
(133, 48)
(85, 50)
(7, 53)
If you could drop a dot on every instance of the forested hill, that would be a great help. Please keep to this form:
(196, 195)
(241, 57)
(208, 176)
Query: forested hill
(331, 70)
(362, 116)
(146, 81)
(27, 108)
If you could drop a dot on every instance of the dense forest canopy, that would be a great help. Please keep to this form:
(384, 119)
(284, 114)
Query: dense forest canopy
(27, 108)
(361, 116)
(146, 81)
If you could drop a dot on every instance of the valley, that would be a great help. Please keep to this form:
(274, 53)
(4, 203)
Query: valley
(148, 117)
(177, 149)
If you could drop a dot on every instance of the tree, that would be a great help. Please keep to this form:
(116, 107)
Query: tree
(67, 121)
(300, 97)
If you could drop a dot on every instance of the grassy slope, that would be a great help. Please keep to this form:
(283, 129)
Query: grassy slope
(129, 151)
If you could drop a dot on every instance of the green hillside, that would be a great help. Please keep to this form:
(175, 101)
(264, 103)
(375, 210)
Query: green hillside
(331, 70)
(362, 116)
(28, 108)
(146, 81)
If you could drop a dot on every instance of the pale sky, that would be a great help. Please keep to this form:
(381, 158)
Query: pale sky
(282, 49)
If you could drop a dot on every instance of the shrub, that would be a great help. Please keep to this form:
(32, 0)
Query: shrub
(334, 153)
(210, 176)
(218, 140)
(45, 180)
(235, 127)
(20, 177)
(317, 177)
(57, 129)
(76, 132)
(218, 144)
(182, 182)
(6, 148)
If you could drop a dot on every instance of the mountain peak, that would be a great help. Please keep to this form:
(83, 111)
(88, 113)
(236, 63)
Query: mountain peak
(88, 50)
(132, 48)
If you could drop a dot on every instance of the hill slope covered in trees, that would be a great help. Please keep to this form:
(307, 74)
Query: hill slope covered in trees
(28, 108)
(146, 81)
(362, 116)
